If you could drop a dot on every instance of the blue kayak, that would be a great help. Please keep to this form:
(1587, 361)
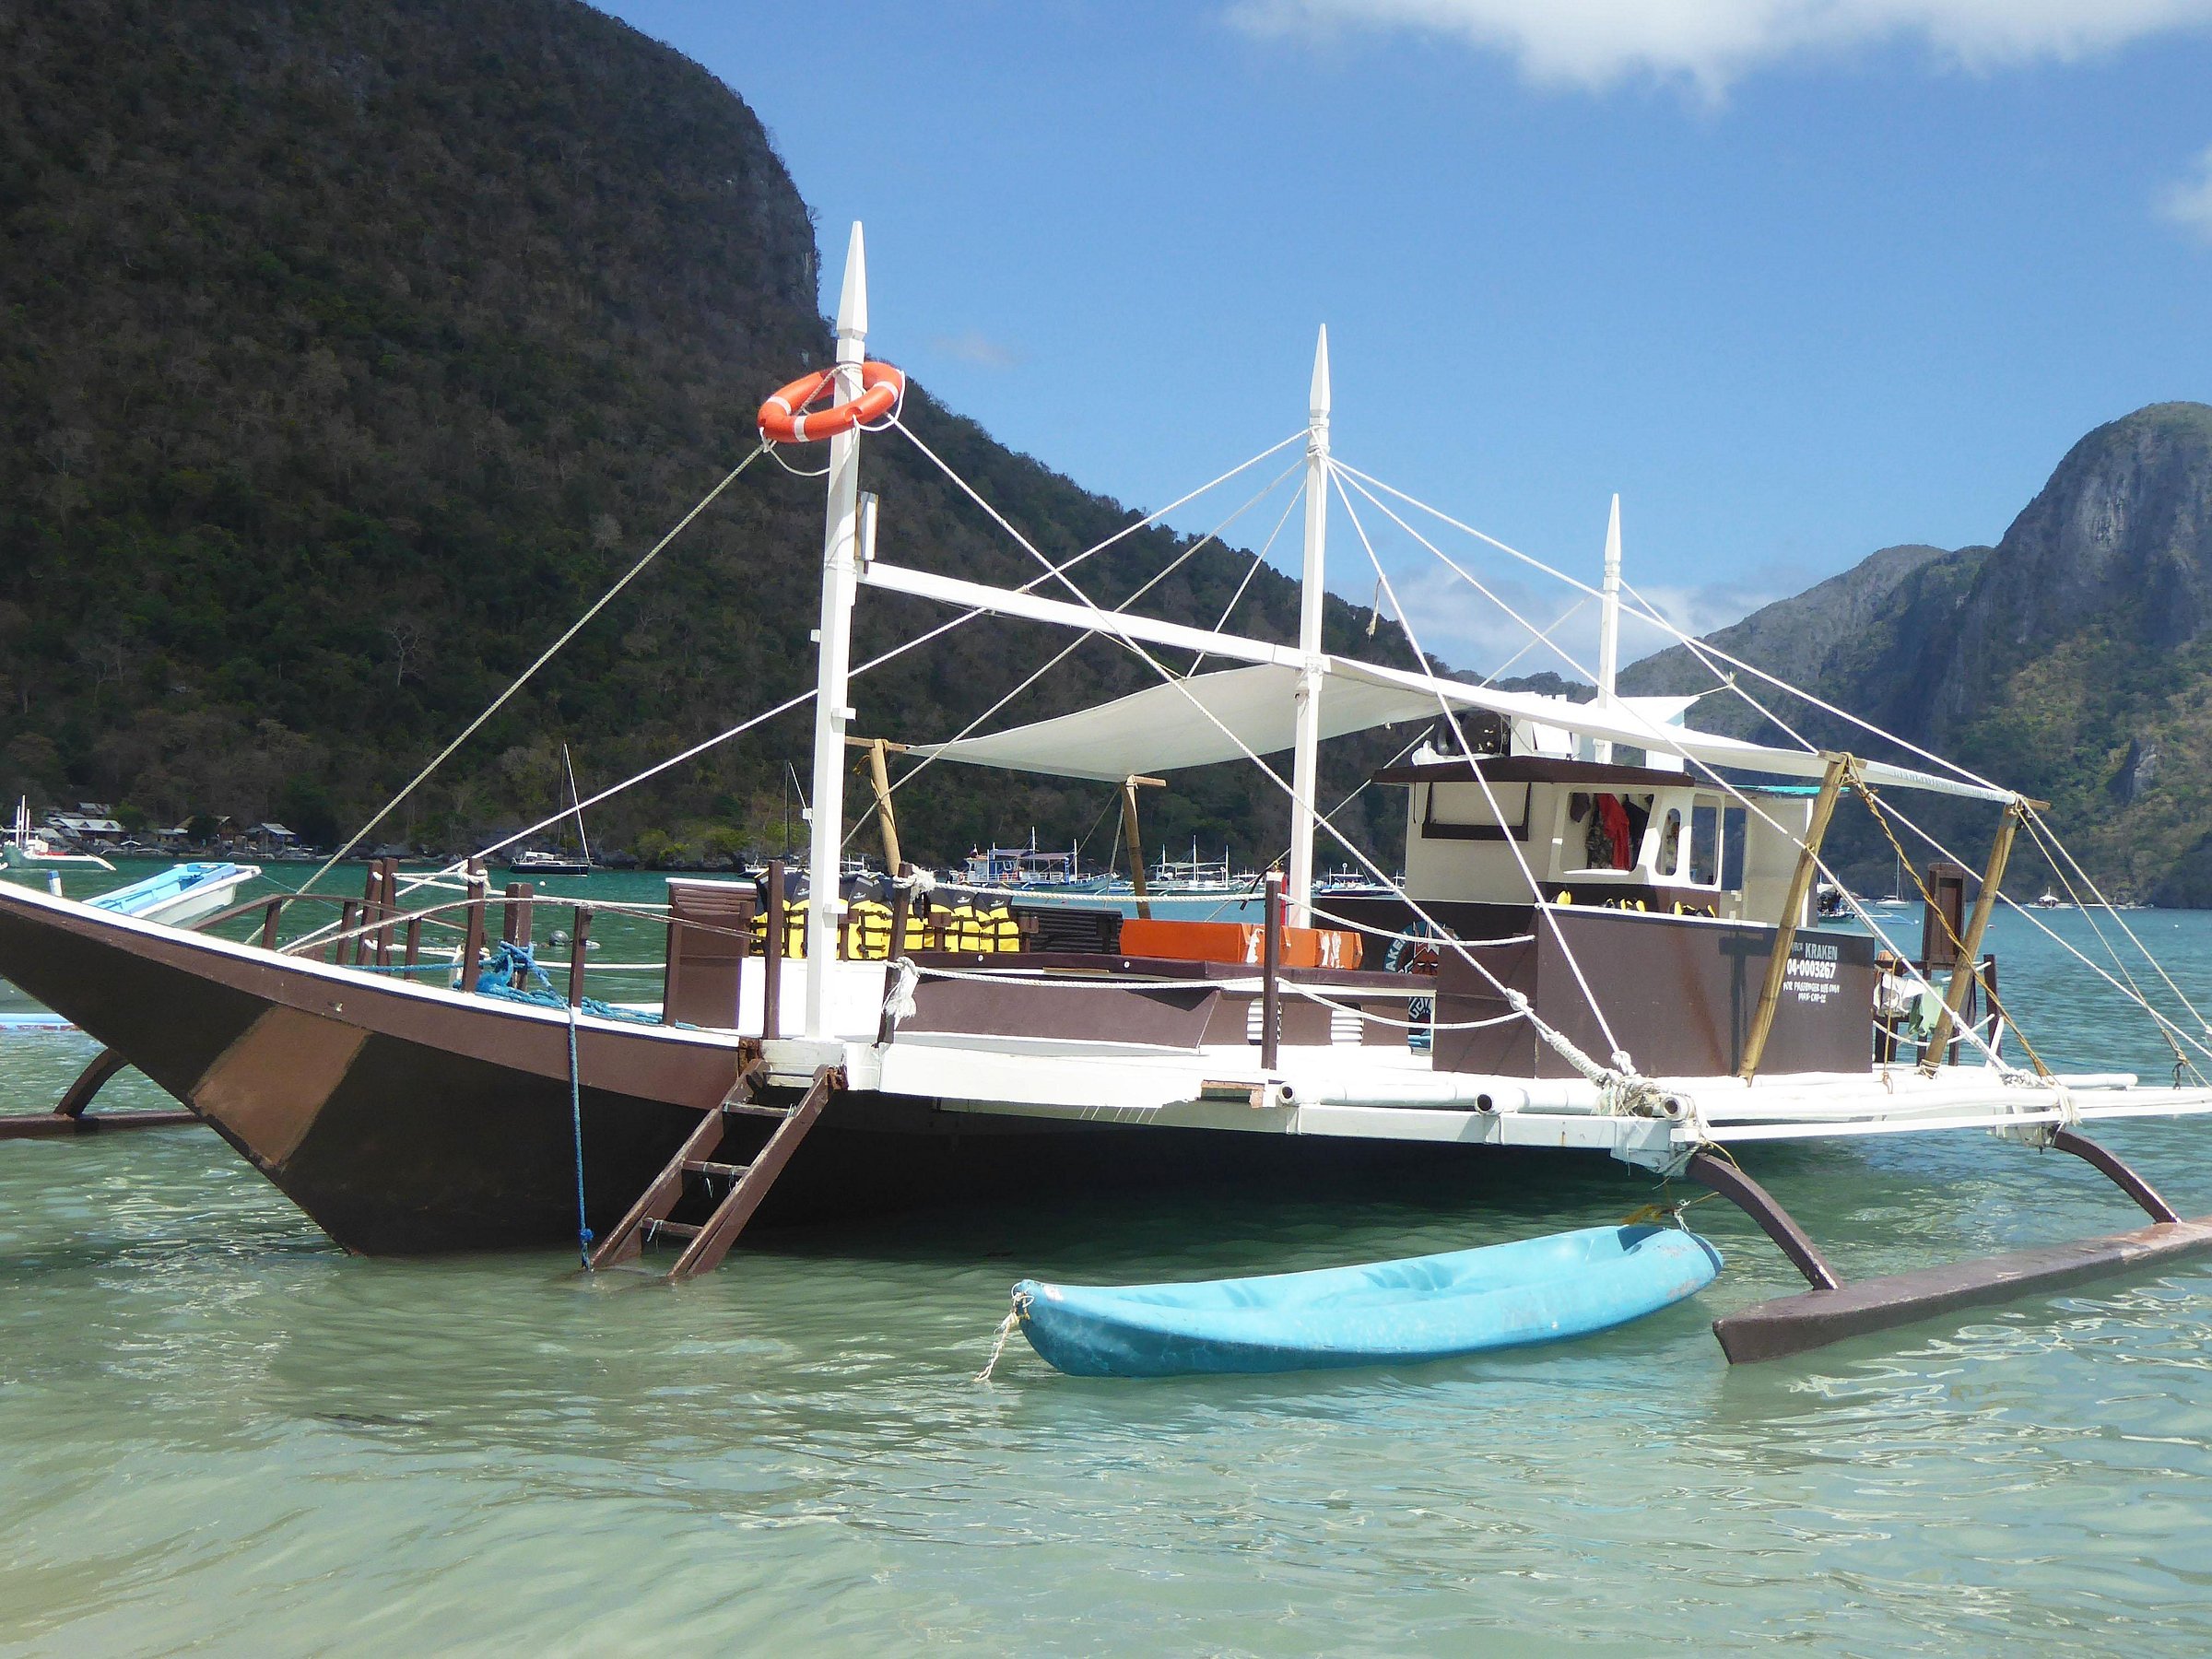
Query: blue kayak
(1433, 1307)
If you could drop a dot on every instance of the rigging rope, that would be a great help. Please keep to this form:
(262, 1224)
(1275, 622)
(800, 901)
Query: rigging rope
(545, 656)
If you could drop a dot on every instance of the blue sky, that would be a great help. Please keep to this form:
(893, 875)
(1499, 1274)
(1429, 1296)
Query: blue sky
(1800, 278)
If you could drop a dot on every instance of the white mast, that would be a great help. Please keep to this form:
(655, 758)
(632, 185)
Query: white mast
(1305, 757)
(839, 538)
(1609, 627)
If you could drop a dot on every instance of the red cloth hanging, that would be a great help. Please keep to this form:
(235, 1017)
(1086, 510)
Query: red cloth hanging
(1614, 817)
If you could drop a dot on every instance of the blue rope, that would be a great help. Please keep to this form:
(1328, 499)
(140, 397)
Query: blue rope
(511, 974)
(583, 1230)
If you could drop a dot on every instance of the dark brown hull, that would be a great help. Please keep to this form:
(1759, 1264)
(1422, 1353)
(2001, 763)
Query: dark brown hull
(405, 1121)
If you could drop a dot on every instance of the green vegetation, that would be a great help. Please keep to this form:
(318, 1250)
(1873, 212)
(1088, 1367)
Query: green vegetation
(2072, 662)
(347, 350)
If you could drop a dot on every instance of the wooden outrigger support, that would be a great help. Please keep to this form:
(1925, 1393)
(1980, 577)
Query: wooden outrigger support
(1966, 970)
(1793, 908)
(1833, 1310)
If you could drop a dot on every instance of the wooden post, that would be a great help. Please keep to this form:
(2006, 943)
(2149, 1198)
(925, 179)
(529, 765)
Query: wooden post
(579, 938)
(387, 908)
(1135, 846)
(268, 924)
(1792, 907)
(1969, 952)
(514, 926)
(772, 956)
(879, 777)
(1271, 968)
(901, 907)
(349, 941)
(471, 942)
(414, 946)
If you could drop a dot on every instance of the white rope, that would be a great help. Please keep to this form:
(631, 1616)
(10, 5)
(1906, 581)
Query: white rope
(1402, 1025)
(1006, 1330)
(899, 1000)
(1258, 559)
(1087, 982)
(545, 656)
(1657, 621)
(1663, 740)
(1240, 745)
(2042, 830)
(1467, 749)
(1062, 656)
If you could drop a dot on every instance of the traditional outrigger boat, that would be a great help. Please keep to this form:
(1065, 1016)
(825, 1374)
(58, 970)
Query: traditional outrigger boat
(1602, 944)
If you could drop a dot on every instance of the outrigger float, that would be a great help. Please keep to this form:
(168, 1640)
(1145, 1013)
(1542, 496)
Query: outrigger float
(1602, 945)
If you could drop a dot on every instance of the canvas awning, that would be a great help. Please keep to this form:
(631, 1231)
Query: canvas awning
(1214, 717)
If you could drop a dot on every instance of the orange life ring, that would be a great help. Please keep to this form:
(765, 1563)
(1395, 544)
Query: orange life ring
(784, 418)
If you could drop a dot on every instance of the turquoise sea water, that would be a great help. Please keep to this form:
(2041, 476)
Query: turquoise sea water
(221, 1433)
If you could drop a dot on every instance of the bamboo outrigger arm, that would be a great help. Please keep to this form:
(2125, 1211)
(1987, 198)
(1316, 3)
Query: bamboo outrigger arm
(1967, 971)
(1793, 908)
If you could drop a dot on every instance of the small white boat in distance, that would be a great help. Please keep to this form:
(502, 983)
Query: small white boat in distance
(26, 849)
(2052, 901)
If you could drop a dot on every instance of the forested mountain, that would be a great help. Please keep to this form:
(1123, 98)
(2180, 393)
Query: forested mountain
(349, 348)
(2072, 661)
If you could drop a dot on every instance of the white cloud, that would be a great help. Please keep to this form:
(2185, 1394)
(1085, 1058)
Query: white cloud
(977, 348)
(1597, 43)
(2189, 203)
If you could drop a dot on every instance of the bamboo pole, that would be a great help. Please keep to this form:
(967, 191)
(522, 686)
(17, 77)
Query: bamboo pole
(1130, 785)
(1793, 908)
(1963, 971)
(879, 780)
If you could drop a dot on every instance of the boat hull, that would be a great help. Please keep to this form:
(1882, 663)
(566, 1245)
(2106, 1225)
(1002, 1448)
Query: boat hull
(1410, 1312)
(406, 1120)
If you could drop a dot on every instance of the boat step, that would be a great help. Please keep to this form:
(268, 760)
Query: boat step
(707, 1241)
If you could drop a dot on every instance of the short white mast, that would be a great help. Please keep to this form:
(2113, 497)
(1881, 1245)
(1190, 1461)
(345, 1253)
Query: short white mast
(839, 581)
(1305, 780)
(1608, 628)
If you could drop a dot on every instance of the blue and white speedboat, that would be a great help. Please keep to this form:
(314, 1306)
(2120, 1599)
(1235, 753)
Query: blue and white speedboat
(179, 896)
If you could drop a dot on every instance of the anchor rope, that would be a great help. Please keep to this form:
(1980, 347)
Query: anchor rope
(1006, 1328)
(583, 1229)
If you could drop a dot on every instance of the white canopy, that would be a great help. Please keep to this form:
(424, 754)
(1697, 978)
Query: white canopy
(1214, 717)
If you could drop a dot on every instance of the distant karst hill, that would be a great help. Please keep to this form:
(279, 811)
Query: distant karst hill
(349, 348)
(2073, 660)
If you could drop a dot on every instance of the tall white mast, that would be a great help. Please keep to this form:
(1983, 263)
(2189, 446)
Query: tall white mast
(839, 581)
(1305, 757)
(1609, 627)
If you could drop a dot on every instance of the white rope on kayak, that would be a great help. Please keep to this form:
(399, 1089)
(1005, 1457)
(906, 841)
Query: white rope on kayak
(1006, 1327)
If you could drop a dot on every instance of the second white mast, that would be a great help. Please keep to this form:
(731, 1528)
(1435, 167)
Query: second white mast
(1306, 752)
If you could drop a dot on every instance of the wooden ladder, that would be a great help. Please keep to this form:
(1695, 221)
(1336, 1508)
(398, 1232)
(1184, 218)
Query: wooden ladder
(706, 1242)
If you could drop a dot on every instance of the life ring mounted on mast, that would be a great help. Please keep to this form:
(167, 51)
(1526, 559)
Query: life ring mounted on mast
(785, 418)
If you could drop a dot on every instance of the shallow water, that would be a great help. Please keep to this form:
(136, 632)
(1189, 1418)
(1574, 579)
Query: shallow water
(221, 1432)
